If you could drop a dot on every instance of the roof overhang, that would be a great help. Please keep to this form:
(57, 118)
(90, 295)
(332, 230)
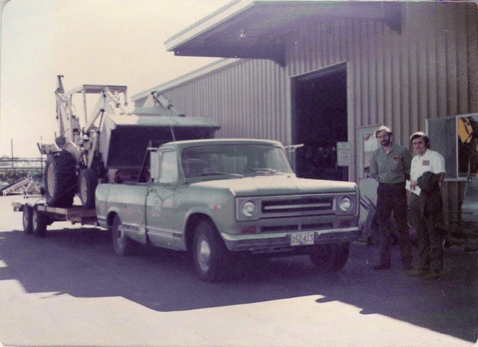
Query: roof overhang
(255, 29)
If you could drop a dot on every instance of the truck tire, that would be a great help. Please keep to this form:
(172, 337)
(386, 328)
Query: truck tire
(60, 179)
(27, 219)
(330, 257)
(39, 222)
(210, 256)
(87, 183)
(122, 244)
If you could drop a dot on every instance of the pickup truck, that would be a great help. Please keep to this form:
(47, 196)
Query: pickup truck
(218, 198)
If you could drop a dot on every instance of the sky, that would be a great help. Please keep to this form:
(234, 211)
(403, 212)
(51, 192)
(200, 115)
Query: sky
(88, 42)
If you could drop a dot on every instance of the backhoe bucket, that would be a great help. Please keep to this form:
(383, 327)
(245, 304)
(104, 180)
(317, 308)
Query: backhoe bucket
(125, 138)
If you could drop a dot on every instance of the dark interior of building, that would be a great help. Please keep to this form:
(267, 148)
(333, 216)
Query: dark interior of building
(320, 108)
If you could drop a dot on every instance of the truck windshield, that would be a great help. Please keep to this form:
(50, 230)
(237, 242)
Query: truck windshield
(235, 160)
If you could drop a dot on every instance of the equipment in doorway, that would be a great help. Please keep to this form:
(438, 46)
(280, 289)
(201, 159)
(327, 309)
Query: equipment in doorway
(318, 160)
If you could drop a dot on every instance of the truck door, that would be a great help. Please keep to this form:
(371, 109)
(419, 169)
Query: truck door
(160, 202)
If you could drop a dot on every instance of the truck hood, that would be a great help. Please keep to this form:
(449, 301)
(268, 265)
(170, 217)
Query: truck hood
(278, 185)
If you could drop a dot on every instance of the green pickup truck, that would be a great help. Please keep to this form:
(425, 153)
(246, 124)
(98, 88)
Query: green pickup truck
(219, 198)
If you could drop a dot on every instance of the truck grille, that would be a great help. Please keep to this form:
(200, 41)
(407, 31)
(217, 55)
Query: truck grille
(295, 227)
(289, 206)
(297, 206)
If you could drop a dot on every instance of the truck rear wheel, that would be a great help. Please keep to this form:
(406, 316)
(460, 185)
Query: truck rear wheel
(330, 257)
(86, 187)
(122, 244)
(60, 179)
(39, 222)
(210, 255)
(27, 219)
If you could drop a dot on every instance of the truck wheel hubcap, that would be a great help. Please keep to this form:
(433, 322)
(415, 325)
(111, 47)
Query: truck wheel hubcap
(204, 254)
(119, 237)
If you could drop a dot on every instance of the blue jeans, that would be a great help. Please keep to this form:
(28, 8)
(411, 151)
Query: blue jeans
(392, 198)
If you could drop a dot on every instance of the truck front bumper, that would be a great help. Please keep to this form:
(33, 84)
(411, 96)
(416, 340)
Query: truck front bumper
(264, 243)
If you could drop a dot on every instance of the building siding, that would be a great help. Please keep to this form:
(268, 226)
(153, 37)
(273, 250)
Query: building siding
(427, 69)
(247, 98)
(399, 79)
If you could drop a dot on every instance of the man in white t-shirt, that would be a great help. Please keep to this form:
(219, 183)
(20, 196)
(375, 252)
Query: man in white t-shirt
(427, 172)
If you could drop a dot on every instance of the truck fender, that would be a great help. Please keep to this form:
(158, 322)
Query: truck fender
(136, 235)
(110, 217)
(192, 217)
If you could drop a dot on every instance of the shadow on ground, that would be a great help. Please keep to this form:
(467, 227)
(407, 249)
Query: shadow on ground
(81, 263)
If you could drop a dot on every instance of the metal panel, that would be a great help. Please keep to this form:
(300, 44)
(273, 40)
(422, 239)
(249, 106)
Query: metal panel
(246, 98)
(427, 70)
(396, 78)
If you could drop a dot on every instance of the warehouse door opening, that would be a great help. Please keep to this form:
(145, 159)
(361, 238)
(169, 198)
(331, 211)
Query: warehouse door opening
(319, 108)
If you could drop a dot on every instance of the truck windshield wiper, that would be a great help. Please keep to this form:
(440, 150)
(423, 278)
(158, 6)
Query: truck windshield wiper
(266, 170)
(221, 173)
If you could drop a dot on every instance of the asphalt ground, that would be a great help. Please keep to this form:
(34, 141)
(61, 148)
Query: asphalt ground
(70, 289)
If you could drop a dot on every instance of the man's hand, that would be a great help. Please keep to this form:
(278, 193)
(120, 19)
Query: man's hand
(413, 184)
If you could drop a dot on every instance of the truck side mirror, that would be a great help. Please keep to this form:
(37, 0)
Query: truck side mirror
(154, 165)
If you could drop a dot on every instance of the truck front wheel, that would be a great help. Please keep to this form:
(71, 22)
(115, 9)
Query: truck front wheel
(39, 222)
(122, 244)
(210, 255)
(330, 257)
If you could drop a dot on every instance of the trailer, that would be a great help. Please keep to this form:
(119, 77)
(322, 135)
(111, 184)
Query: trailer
(37, 216)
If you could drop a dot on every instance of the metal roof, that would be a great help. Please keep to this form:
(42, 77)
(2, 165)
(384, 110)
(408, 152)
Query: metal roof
(256, 29)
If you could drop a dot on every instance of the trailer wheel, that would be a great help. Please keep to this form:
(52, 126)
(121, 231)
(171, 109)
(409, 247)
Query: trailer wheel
(39, 222)
(60, 179)
(27, 219)
(87, 185)
(210, 256)
(330, 257)
(122, 244)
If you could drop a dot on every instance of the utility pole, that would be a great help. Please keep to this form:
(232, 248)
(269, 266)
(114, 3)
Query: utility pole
(11, 143)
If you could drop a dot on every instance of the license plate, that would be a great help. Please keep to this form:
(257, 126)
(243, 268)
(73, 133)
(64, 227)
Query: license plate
(302, 239)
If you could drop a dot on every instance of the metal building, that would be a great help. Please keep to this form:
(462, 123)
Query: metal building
(326, 73)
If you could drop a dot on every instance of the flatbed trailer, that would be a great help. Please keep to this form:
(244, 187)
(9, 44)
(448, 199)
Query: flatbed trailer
(37, 216)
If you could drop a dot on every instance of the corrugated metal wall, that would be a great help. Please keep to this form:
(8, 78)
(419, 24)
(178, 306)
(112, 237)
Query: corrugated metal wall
(427, 70)
(247, 98)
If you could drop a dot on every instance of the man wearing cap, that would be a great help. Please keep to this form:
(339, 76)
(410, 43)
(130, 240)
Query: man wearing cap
(390, 166)
(426, 206)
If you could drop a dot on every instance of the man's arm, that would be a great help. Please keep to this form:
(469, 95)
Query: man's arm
(440, 167)
(373, 169)
(407, 162)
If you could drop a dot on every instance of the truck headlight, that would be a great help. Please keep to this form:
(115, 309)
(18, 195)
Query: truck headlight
(248, 209)
(345, 204)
